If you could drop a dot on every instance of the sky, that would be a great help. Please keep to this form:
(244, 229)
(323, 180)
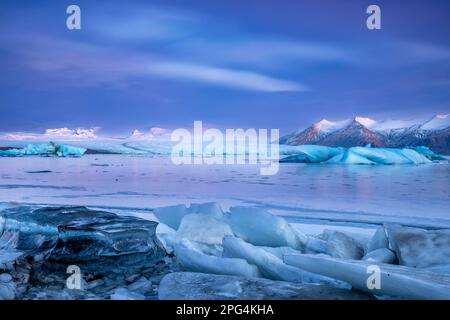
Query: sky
(229, 63)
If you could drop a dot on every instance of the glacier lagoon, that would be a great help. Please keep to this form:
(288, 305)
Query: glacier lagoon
(333, 209)
(299, 190)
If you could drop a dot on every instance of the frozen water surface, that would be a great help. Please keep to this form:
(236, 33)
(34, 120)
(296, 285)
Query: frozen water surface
(306, 193)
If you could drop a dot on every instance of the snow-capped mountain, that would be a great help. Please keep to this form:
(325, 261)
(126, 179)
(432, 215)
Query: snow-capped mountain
(53, 134)
(434, 133)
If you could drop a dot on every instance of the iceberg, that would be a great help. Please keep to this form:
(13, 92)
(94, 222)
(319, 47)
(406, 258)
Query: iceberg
(396, 281)
(259, 227)
(48, 149)
(201, 286)
(359, 155)
(349, 157)
(390, 155)
(425, 151)
(311, 154)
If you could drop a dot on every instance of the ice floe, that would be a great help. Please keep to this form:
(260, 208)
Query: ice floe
(395, 281)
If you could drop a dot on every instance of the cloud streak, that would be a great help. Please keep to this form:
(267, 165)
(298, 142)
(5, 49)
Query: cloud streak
(225, 77)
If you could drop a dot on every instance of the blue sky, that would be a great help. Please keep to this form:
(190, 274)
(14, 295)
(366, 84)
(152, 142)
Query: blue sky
(261, 64)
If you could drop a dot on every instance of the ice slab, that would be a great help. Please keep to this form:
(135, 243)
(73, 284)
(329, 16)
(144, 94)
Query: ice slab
(418, 247)
(203, 228)
(201, 286)
(259, 227)
(340, 245)
(172, 215)
(270, 265)
(194, 260)
(396, 281)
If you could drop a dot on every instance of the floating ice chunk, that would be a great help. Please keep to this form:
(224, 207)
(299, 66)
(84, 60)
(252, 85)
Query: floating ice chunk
(383, 255)
(395, 281)
(261, 228)
(171, 215)
(201, 286)
(194, 260)
(349, 157)
(418, 247)
(378, 241)
(340, 245)
(203, 228)
(311, 154)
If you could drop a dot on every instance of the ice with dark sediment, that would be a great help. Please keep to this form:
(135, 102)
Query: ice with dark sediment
(41, 243)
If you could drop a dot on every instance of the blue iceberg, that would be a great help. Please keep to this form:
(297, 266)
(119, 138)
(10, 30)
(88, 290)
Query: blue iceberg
(359, 155)
(311, 154)
(46, 149)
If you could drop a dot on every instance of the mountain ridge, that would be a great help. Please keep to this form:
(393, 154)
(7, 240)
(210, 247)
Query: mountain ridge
(433, 132)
